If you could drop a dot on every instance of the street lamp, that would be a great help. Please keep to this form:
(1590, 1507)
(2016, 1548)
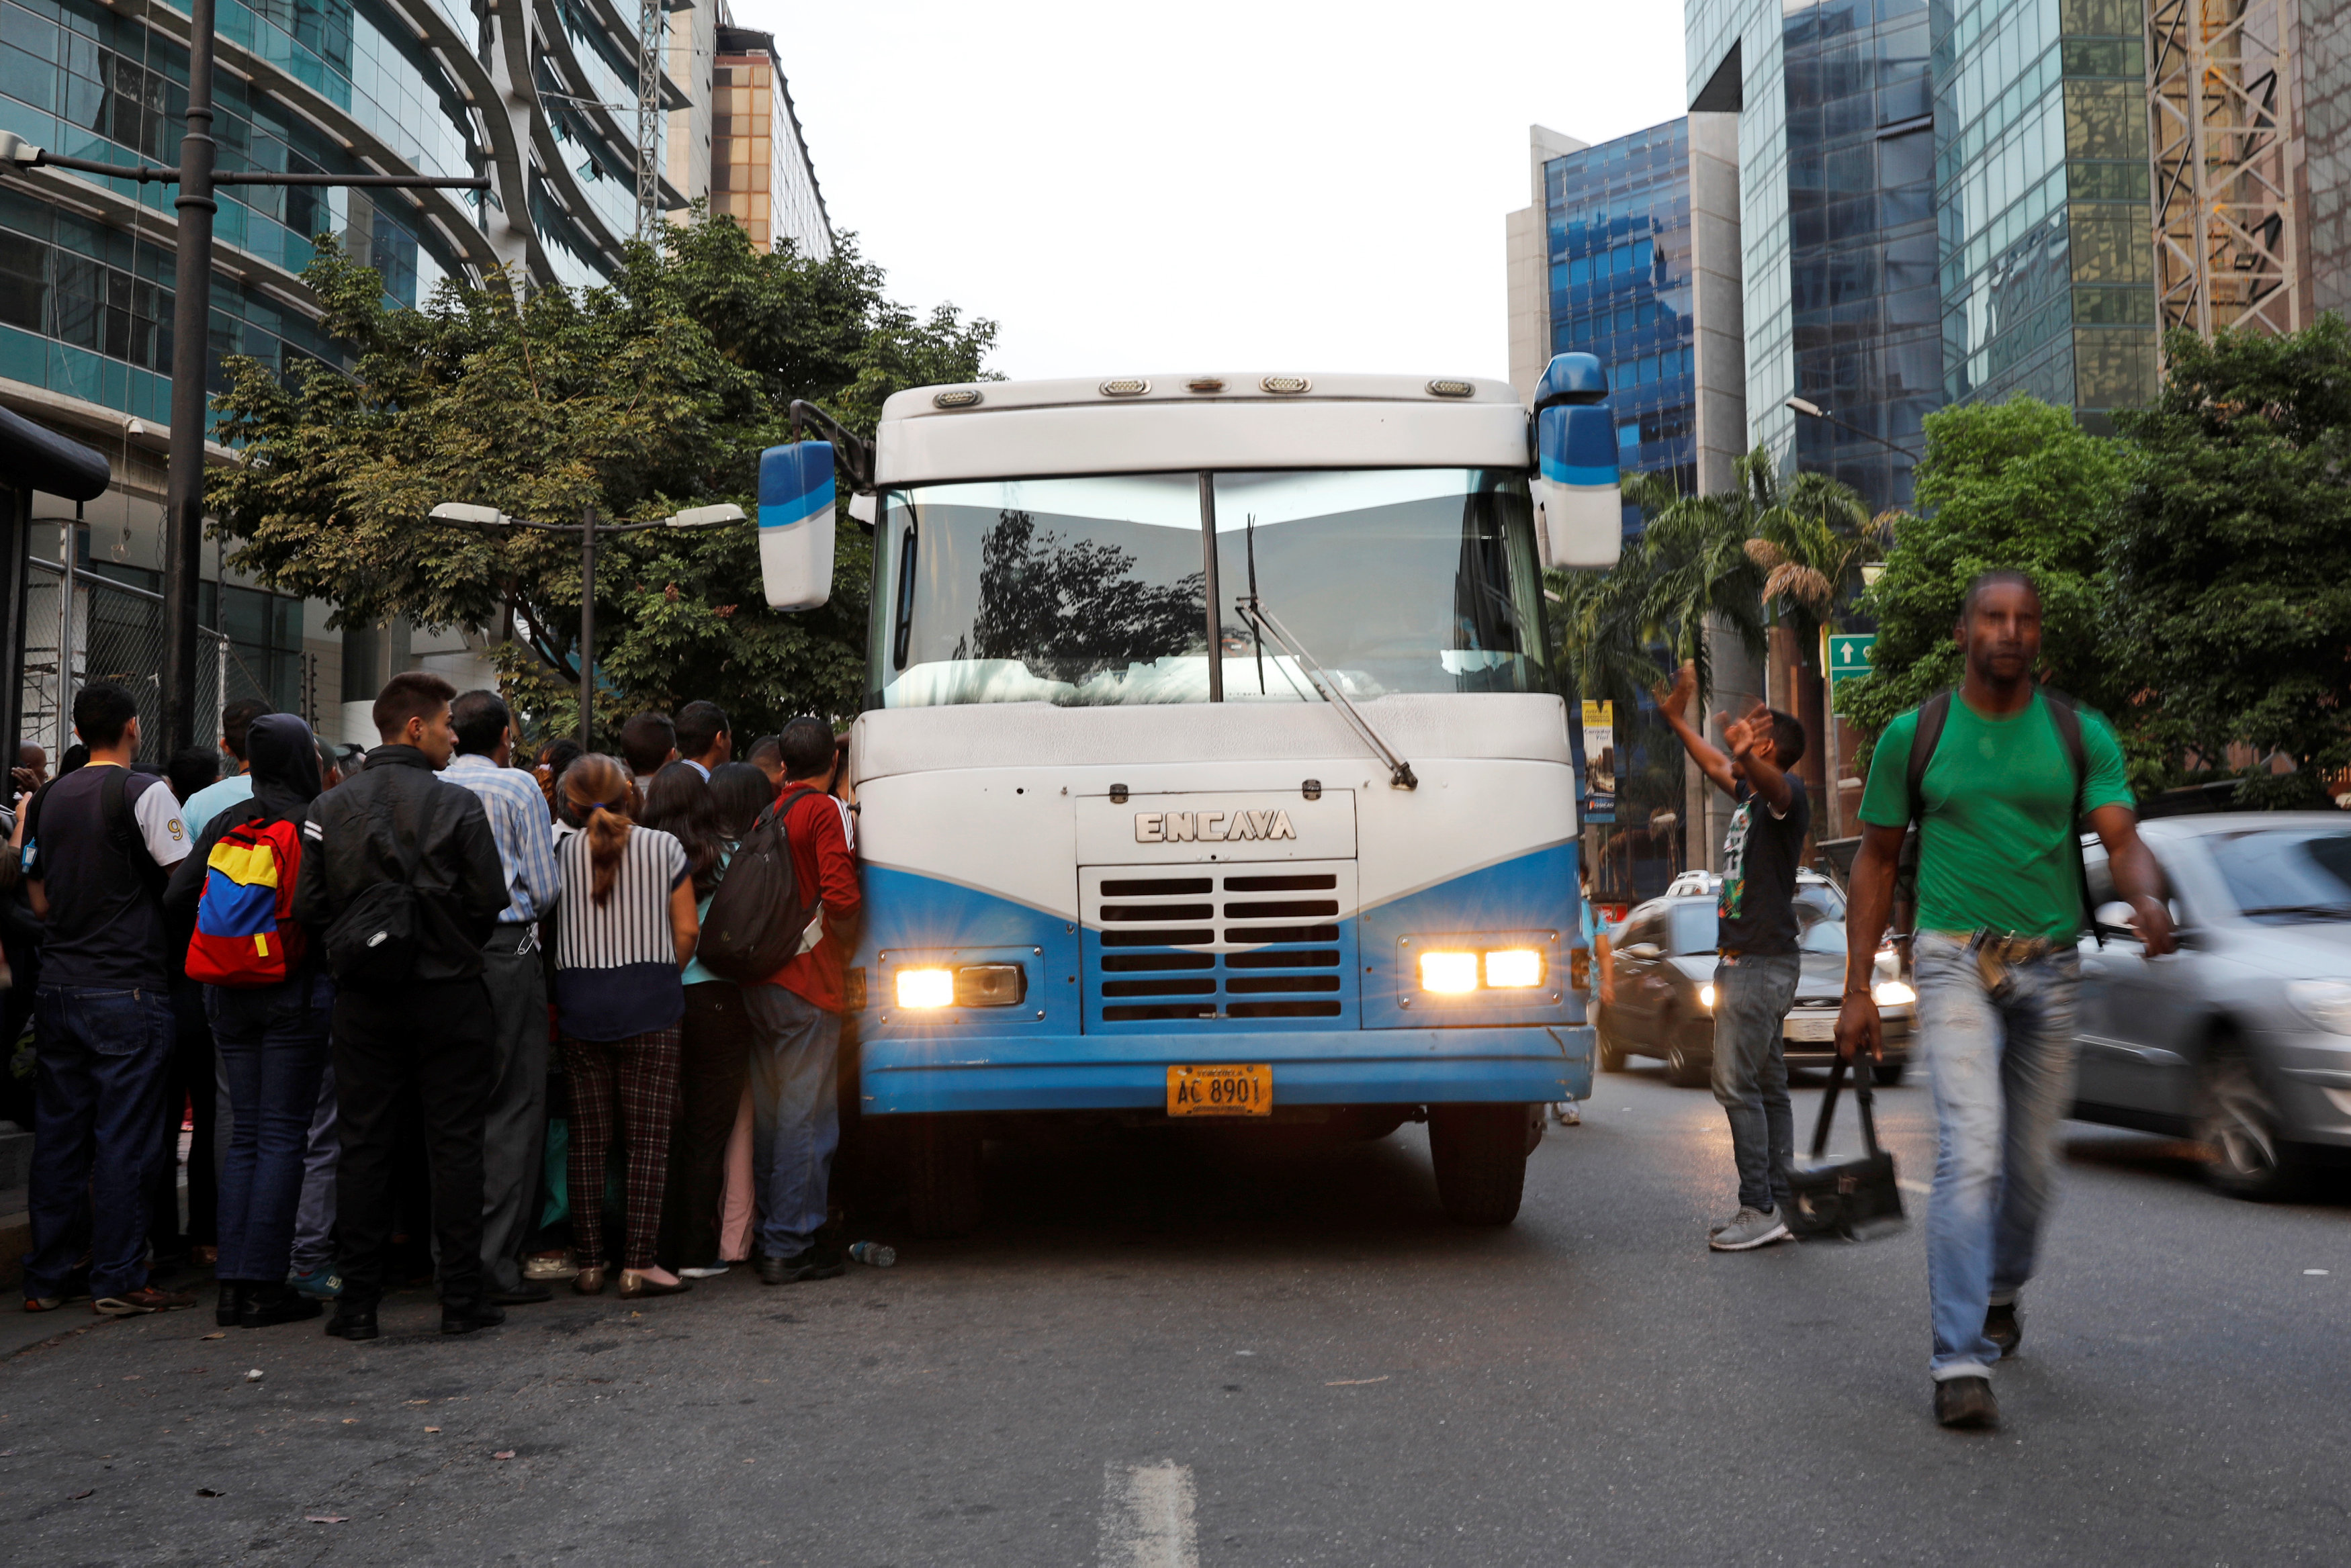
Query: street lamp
(468, 514)
(1812, 411)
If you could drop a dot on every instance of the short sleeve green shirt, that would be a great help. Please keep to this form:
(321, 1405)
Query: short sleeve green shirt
(1996, 813)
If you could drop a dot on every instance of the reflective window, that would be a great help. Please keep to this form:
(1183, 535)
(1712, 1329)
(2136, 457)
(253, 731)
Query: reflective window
(2280, 875)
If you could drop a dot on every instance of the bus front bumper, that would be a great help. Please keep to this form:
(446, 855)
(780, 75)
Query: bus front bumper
(1524, 1065)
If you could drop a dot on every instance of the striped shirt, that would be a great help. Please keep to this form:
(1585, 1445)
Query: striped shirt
(616, 971)
(518, 821)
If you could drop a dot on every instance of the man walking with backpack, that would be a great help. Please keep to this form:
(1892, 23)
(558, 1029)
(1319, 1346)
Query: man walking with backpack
(1998, 776)
(98, 844)
(795, 1018)
(1756, 973)
(402, 879)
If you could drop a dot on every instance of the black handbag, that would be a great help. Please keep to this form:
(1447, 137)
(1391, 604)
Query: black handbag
(1855, 1199)
(373, 944)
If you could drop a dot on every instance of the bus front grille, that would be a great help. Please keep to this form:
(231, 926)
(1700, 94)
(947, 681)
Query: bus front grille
(1213, 945)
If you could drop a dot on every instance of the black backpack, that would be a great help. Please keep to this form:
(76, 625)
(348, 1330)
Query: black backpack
(373, 944)
(758, 922)
(1934, 712)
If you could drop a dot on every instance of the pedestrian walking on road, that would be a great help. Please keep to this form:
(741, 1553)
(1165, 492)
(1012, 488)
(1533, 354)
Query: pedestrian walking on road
(267, 1002)
(796, 1018)
(1756, 972)
(402, 879)
(624, 930)
(1998, 776)
(99, 844)
(515, 1128)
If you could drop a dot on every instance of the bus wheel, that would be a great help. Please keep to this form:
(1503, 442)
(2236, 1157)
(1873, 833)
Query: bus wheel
(1480, 1155)
(943, 1161)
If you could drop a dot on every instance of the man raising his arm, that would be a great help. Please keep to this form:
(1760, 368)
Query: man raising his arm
(1755, 980)
(2008, 771)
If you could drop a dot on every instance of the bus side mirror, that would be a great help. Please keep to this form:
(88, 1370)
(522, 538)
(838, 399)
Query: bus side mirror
(796, 497)
(1579, 503)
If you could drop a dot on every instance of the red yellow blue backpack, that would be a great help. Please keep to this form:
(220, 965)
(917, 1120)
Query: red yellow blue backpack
(245, 933)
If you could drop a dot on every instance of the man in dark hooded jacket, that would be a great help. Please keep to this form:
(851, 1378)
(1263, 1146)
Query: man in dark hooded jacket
(272, 1041)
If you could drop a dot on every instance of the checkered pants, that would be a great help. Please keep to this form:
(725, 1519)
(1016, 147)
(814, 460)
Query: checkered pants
(638, 1076)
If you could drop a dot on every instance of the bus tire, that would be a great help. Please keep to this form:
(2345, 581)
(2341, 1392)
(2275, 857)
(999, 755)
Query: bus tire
(1479, 1153)
(943, 1167)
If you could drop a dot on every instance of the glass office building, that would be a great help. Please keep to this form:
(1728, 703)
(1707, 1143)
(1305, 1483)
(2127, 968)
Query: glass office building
(1616, 225)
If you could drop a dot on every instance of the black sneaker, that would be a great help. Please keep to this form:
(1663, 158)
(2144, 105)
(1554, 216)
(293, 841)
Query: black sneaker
(465, 1317)
(235, 1296)
(1966, 1404)
(2001, 1327)
(809, 1263)
(352, 1322)
(266, 1306)
(530, 1292)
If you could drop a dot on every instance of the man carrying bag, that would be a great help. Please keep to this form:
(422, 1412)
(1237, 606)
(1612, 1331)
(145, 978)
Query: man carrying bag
(401, 874)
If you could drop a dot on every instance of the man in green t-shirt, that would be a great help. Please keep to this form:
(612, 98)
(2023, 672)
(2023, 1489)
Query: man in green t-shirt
(1999, 913)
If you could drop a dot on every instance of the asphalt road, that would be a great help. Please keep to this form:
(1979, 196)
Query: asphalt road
(1170, 1353)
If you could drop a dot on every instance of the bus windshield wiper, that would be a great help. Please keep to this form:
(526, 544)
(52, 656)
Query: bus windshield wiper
(1400, 773)
(2316, 911)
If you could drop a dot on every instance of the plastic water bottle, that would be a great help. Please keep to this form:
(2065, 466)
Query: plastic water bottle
(873, 1254)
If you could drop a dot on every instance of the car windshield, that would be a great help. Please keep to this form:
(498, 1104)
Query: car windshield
(1083, 591)
(2282, 875)
(1822, 937)
(1695, 929)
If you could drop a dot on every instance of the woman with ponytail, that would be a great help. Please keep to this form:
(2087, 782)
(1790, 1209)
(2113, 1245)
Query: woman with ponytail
(626, 931)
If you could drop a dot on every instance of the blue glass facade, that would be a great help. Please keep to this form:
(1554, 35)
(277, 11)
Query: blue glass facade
(1617, 236)
(1862, 258)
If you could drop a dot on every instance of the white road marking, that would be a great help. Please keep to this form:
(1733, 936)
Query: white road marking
(1146, 1517)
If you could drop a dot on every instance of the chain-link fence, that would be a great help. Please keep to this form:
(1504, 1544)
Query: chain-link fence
(118, 636)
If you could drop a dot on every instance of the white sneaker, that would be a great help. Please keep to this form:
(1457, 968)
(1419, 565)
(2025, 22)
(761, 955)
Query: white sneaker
(709, 1273)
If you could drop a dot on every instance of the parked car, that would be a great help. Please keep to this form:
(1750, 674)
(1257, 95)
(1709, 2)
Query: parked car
(2241, 1039)
(1664, 963)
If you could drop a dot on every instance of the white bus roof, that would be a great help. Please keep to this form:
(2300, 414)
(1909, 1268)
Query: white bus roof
(1164, 423)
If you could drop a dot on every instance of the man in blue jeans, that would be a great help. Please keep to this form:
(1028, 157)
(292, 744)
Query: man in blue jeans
(1755, 979)
(97, 844)
(1998, 785)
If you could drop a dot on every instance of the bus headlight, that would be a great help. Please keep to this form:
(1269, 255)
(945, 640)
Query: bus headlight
(990, 985)
(1706, 996)
(1513, 969)
(926, 988)
(1892, 994)
(1448, 973)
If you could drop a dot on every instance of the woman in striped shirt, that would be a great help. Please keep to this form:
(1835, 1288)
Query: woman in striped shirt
(625, 931)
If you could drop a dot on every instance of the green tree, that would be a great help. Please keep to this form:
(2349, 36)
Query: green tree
(2230, 557)
(654, 393)
(2015, 484)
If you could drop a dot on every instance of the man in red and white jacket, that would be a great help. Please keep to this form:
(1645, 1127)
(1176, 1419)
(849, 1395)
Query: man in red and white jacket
(796, 1023)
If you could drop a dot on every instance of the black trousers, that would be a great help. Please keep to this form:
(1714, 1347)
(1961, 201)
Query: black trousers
(187, 1089)
(436, 1039)
(715, 1059)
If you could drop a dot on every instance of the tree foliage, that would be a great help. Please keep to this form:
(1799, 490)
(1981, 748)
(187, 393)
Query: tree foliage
(2015, 484)
(2230, 559)
(636, 399)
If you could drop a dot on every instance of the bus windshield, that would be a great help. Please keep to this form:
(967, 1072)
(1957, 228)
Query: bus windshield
(1087, 591)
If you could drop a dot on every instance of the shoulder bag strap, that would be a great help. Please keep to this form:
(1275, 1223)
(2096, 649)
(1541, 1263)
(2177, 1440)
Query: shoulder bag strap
(1933, 714)
(122, 829)
(1828, 1109)
(2068, 720)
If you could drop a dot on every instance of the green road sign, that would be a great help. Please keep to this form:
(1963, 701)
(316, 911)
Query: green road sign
(1850, 654)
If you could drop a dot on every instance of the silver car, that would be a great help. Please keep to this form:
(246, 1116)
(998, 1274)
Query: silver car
(2241, 1039)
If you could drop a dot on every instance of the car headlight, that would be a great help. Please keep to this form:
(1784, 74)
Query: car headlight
(1448, 973)
(1513, 969)
(926, 988)
(1706, 996)
(1892, 994)
(2326, 1002)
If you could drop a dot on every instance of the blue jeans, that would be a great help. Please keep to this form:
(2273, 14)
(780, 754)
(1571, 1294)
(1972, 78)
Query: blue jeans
(314, 1216)
(1751, 998)
(101, 1056)
(272, 1046)
(2000, 1056)
(795, 1115)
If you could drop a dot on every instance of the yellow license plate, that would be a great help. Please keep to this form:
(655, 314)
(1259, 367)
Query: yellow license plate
(1239, 1089)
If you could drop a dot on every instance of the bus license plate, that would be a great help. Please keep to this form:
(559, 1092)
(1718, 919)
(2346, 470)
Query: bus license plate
(1235, 1089)
(1820, 1027)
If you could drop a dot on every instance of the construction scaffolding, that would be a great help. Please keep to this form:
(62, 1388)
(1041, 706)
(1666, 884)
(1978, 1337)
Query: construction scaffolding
(2225, 140)
(651, 27)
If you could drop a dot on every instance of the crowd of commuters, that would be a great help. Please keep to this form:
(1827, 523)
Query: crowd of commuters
(431, 990)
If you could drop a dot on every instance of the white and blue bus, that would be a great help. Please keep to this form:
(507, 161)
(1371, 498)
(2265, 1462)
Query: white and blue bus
(1213, 764)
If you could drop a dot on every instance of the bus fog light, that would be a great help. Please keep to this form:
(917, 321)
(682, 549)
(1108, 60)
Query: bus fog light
(1448, 974)
(990, 985)
(1514, 969)
(926, 988)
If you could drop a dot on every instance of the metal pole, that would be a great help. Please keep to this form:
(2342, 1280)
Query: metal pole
(67, 557)
(184, 505)
(587, 625)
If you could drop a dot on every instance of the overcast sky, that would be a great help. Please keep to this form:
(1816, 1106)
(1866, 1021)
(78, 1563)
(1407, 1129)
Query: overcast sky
(1269, 185)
